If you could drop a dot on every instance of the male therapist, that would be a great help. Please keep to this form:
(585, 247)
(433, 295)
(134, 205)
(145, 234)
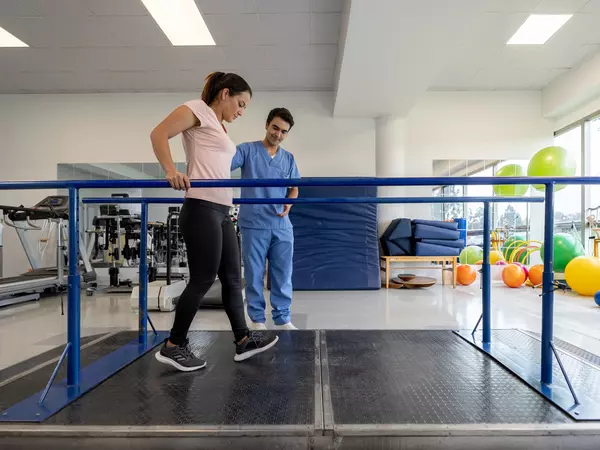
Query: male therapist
(267, 232)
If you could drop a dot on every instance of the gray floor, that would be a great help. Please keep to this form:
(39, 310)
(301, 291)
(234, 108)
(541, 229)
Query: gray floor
(29, 329)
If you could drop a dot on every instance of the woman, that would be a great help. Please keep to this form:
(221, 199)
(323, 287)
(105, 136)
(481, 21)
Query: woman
(207, 229)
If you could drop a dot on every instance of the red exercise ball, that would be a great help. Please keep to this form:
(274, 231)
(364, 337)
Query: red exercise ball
(513, 276)
(465, 274)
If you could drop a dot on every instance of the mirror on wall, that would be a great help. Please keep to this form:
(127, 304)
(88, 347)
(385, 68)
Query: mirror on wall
(112, 171)
(117, 171)
(124, 171)
(506, 216)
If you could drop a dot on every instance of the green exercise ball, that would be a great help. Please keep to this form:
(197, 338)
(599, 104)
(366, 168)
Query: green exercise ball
(471, 255)
(511, 190)
(566, 249)
(552, 162)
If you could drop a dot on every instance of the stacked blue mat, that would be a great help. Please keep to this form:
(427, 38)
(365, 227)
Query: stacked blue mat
(435, 238)
(404, 237)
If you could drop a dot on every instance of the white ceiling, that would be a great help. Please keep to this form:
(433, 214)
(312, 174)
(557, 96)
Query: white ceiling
(115, 45)
(414, 46)
(392, 50)
(488, 63)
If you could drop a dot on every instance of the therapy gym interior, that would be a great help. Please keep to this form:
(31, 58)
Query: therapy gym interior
(426, 174)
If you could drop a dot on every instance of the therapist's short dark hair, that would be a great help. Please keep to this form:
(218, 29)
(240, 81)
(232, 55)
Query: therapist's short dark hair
(283, 113)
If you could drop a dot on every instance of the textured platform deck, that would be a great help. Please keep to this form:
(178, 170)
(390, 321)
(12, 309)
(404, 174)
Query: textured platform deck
(27, 381)
(320, 389)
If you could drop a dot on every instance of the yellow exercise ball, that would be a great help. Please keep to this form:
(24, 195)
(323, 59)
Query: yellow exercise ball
(496, 256)
(583, 275)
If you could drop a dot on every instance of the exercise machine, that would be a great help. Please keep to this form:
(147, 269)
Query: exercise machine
(594, 223)
(115, 249)
(54, 212)
(173, 249)
(163, 293)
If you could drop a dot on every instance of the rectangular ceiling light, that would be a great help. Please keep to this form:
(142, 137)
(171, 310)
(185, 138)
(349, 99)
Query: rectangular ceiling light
(538, 28)
(8, 40)
(181, 21)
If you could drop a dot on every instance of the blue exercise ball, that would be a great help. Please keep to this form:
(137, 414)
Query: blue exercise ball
(597, 298)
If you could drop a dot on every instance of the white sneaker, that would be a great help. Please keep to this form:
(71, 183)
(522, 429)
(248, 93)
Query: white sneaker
(257, 326)
(286, 326)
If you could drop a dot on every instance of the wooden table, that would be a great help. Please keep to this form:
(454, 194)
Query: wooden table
(451, 260)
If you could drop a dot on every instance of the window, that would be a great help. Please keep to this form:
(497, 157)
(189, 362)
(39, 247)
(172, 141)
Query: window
(437, 208)
(474, 211)
(513, 217)
(453, 210)
(593, 192)
(517, 217)
(594, 165)
(567, 202)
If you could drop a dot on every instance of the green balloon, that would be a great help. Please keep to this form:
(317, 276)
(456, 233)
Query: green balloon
(552, 162)
(511, 190)
(471, 255)
(566, 249)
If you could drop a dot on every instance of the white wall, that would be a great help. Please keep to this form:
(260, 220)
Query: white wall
(574, 95)
(472, 125)
(587, 109)
(40, 131)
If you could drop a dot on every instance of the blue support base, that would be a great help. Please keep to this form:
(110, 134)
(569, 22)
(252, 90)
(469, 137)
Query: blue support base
(61, 394)
(529, 372)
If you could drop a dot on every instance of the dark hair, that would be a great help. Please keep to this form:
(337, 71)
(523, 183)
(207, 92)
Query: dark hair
(217, 81)
(283, 113)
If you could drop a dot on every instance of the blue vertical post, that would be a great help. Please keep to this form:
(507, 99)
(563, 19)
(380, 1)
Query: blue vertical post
(74, 286)
(548, 287)
(486, 276)
(143, 301)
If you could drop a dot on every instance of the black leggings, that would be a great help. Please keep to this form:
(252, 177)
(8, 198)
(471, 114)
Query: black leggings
(212, 248)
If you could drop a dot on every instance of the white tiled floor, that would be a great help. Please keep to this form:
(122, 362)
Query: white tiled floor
(29, 329)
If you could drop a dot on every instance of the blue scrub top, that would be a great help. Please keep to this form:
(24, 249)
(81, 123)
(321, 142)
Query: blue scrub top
(256, 162)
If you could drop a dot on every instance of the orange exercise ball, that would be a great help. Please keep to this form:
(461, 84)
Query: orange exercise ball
(536, 274)
(513, 276)
(465, 274)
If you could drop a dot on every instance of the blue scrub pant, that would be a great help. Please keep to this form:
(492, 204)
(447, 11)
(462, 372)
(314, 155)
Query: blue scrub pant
(276, 246)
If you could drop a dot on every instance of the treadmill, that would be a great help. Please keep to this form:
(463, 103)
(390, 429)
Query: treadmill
(30, 285)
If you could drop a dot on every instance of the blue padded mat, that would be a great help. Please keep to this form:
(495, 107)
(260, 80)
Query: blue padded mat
(430, 232)
(398, 229)
(457, 244)
(437, 224)
(336, 245)
(424, 249)
(397, 247)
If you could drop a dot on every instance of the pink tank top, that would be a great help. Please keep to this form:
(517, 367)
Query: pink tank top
(208, 151)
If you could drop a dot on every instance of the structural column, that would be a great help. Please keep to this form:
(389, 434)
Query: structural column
(390, 137)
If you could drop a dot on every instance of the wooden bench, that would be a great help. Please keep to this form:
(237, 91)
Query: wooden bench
(389, 260)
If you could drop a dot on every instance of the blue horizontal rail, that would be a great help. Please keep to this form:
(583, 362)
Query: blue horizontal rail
(323, 181)
(290, 201)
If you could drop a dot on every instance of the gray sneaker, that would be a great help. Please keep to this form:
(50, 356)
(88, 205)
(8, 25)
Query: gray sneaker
(255, 344)
(181, 357)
